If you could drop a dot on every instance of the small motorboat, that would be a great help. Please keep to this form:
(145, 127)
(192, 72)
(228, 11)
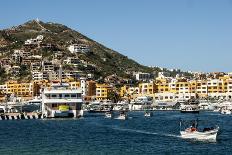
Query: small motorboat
(226, 111)
(148, 114)
(122, 116)
(109, 114)
(192, 132)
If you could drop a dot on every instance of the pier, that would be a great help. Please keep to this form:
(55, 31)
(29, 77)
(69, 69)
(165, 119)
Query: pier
(17, 116)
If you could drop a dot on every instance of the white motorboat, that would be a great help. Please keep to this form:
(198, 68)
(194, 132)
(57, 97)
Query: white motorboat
(109, 114)
(122, 116)
(148, 114)
(226, 111)
(193, 133)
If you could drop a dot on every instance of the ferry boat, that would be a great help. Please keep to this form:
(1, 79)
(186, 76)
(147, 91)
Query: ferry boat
(190, 106)
(60, 101)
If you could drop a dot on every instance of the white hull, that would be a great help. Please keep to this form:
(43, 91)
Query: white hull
(149, 114)
(227, 112)
(207, 135)
(108, 115)
(122, 117)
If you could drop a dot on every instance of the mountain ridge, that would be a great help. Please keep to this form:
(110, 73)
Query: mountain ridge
(106, 60)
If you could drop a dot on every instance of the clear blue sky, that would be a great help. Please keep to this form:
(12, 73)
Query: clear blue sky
(187, 34)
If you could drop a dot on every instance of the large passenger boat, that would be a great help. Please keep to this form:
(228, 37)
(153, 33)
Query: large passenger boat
(60, 101)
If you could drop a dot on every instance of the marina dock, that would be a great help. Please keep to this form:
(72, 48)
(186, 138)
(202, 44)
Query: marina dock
(17, 116)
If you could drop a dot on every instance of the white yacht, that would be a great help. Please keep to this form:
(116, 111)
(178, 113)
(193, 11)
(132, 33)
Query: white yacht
(60, 101)
(140, 102)
(191, 106)
(121, 106)
(100, 106)
(32, 105)
(204, 104)
(226, 108)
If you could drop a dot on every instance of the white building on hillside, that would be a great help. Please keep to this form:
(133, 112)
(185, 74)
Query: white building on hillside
(79, 48)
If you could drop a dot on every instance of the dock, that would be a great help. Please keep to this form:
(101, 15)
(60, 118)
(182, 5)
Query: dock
(17, 116)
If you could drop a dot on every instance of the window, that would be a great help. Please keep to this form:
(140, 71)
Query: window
(53, 95)
(73, 95)
(66, 95)
(79, 95)
(53, 105)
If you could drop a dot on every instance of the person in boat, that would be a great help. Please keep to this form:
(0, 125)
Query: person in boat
(193, 129)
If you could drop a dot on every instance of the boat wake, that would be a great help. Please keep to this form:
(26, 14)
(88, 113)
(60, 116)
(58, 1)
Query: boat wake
(145, 132)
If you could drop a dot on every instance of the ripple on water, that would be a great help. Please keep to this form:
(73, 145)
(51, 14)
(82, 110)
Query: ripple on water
(98, 135)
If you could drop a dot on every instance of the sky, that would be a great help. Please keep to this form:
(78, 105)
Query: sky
(193, 35)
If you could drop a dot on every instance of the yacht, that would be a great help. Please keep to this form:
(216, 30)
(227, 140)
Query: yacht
(226, 108)
(140, 102)
(121, 106)
(32, 105)
(60, 101)
(100, 106)
(190, 106)
(204, 104)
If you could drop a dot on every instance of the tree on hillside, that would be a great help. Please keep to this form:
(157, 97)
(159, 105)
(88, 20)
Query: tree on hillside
(2, 75)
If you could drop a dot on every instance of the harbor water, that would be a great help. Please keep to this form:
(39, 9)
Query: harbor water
(94, 134)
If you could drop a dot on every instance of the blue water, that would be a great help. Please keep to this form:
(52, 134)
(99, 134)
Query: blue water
(95, 134)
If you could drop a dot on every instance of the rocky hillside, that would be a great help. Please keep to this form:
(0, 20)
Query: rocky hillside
(105, 61)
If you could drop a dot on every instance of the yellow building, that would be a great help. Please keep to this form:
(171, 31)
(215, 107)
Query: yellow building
(129, 92)
(74, 85)
(147, 89)
(183, 87)
(38, 85)
(91, 88)
(162, 86)
(24, 90)
(103, 91)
